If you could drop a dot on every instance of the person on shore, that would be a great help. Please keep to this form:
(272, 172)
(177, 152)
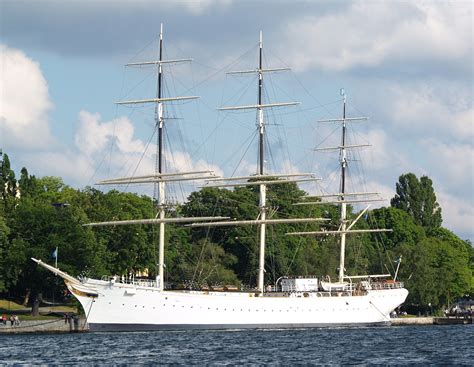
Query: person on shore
(17, 320)
(12, 320)
(4, 319)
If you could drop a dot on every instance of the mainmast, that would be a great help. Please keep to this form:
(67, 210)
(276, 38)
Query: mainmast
(343, 162)
(263, 187)
(261, 158)
(159, 123)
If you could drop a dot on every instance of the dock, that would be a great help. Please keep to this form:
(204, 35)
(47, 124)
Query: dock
(46, 326)
(404, 321)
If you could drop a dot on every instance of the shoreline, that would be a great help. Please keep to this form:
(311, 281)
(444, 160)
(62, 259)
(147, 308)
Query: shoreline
(59, 325)
(79, 325)
(431, 320)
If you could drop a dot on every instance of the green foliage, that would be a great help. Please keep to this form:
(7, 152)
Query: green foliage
(211, 266)
(285, 255)
(436, 272)
(4, 243)
(405, 231)
(417, 198)
(8, 185)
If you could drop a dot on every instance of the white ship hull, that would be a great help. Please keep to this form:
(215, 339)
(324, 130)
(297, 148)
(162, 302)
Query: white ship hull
(125, 307)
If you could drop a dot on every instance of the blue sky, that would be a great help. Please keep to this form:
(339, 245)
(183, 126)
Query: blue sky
(408, 65)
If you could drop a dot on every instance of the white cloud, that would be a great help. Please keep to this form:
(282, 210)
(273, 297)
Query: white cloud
(194, 7)
(92, 136)
(72, 167)
(197, 7)
(371, 33)
(453, 164)
(458, 214)
(425, 109)
(24, 101)
(379, 153)
(183, 162)
(25, 127)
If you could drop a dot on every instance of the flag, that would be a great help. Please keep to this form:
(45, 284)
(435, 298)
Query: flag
(54, 255)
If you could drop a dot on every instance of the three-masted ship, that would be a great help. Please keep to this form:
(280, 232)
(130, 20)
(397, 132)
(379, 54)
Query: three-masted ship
(117, 304)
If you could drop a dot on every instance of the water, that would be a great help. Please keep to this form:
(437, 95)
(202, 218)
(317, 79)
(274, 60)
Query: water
(409, 345)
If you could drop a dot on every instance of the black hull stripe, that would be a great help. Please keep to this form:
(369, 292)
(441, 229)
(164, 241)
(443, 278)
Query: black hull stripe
(152, 327)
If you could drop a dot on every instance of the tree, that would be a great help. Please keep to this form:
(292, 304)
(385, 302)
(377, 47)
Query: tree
(285, 255)
(417, 198)
(27, 184)
(8, 184)
(128, 249)
(4, 244)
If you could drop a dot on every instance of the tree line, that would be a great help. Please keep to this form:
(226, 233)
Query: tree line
(38, 215)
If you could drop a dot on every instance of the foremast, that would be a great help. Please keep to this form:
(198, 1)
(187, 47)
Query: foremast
(160, 177)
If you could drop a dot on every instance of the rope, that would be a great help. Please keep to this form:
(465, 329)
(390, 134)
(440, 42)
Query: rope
(87, 316)
(385, 317)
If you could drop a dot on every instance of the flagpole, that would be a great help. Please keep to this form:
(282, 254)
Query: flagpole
(56, 257)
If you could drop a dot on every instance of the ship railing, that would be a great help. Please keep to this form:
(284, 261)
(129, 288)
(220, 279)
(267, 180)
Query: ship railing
(129, 280)
(386, 285)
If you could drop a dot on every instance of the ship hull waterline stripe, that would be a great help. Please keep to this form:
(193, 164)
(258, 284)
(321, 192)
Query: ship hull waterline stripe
(99, 327)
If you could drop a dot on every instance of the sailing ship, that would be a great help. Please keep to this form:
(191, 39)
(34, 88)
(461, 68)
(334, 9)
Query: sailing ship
(118, 304)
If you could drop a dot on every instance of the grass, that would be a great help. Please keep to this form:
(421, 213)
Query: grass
(10, 305)
(12, 308)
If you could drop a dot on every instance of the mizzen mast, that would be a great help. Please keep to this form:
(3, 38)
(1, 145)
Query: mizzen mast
(341, 196)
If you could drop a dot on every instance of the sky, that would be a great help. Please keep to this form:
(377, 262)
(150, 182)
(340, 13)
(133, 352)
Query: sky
(407, 65)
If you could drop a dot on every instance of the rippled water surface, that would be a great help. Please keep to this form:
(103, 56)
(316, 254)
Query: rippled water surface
(422, 345)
